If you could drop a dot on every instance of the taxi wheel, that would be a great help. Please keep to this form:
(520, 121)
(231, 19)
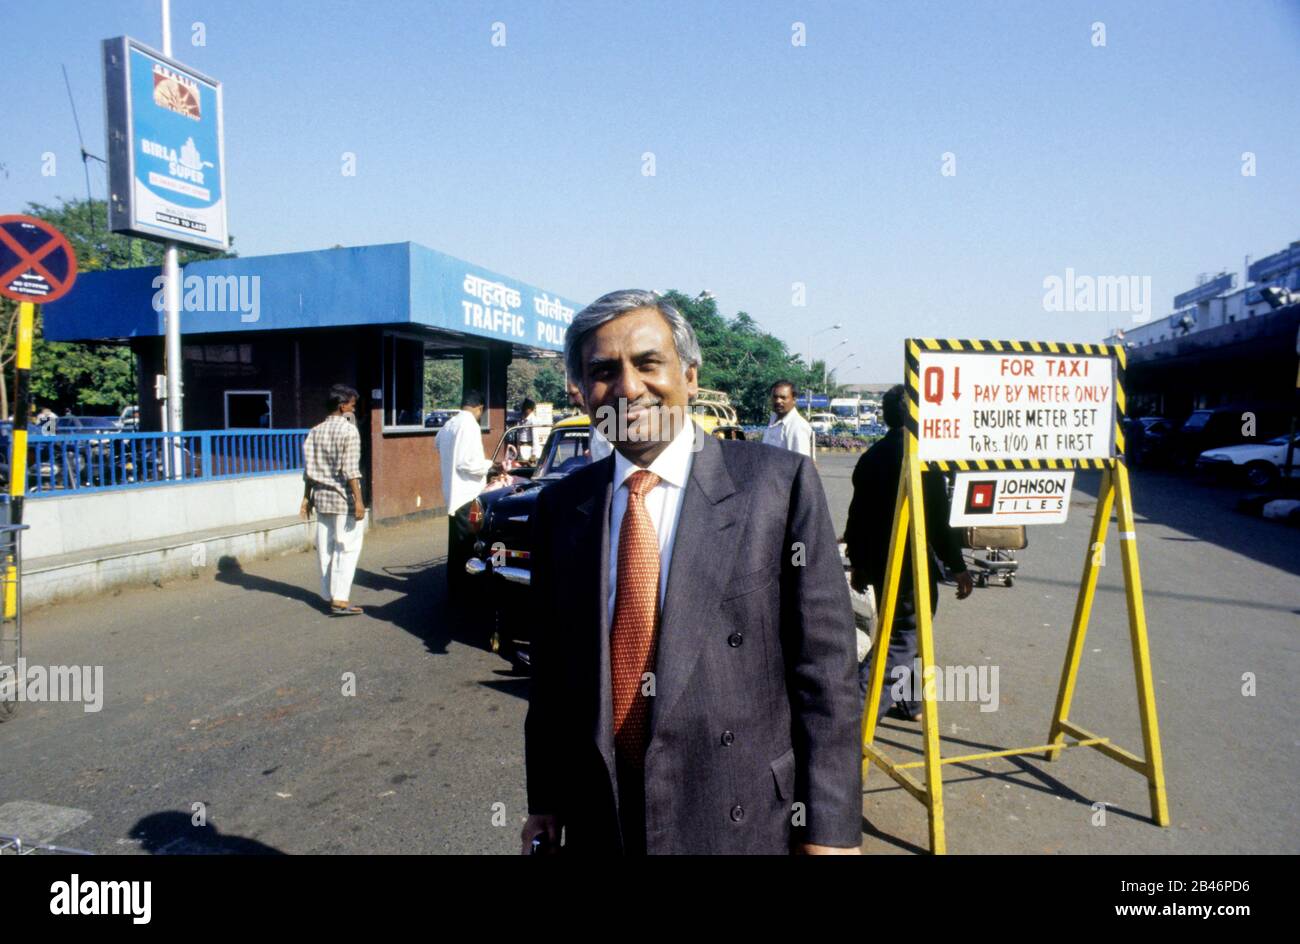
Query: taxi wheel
(1260, 474)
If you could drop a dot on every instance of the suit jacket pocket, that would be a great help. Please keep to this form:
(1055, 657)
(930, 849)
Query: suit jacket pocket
(783, 774)
(748, 583)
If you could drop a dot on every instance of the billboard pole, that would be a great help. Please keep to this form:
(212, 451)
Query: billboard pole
(172, 421)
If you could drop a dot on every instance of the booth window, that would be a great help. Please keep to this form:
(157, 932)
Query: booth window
(422, 379)
(248, 409)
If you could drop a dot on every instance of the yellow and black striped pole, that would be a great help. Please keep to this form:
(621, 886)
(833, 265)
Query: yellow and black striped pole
(18, 454)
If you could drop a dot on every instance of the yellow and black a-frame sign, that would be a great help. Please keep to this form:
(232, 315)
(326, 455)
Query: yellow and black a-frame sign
(979, 405)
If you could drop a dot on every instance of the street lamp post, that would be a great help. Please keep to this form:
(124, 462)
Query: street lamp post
(842, 361)
(843, 342)
(834, 327)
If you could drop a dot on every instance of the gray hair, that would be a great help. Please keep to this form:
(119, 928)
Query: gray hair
(610, 306)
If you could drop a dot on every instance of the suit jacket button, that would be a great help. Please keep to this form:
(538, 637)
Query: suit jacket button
(737, 813)
(728, 739)
(734, 640)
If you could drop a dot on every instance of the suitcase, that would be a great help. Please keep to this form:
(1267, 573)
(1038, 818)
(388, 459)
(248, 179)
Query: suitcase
(996, 539)
(999, 561)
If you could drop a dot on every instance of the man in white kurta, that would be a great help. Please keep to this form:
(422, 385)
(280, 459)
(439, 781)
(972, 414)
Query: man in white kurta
(464, 473)
(786, 429)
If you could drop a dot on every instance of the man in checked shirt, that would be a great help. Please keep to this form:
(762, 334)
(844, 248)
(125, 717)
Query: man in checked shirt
(332, 476)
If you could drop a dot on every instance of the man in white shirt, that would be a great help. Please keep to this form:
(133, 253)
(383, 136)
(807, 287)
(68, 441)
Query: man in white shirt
(527, 417)
(786, 429)
(464, 473)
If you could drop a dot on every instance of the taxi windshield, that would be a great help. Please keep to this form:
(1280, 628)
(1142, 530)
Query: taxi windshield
(568, 451)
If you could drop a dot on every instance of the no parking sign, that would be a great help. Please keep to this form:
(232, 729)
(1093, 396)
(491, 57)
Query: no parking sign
(37, 263)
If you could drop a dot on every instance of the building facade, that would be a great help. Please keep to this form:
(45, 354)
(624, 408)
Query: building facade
(264, 338)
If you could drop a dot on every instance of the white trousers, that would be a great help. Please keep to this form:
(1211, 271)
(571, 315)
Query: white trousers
(338, 547)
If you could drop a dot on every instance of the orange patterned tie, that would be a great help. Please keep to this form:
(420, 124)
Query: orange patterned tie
(636, 618)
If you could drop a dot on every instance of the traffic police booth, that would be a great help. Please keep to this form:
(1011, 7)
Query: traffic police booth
(264, 337)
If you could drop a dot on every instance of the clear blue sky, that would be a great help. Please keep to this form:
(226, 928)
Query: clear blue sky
(775, 164)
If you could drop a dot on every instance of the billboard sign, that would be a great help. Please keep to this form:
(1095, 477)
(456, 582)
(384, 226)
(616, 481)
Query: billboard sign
(1012, 403)
(1211, 289)
(166, 148)
(813, 401)
(1280, 263)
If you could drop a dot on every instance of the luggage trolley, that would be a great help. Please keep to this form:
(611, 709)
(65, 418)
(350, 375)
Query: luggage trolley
(999, 546)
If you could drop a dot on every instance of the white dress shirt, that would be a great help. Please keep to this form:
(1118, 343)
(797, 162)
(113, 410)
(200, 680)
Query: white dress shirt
(790, 432)
(598, 445)
(464, 467)
(663, 503)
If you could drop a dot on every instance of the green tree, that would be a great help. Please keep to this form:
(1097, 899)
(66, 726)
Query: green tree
(76, 376)
(740, 358)
(444, 382)
(539, 379)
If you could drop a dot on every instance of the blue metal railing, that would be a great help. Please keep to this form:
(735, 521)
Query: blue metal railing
(108, 461)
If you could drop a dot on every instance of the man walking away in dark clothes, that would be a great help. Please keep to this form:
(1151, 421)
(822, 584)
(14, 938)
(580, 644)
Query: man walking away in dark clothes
(871, 518)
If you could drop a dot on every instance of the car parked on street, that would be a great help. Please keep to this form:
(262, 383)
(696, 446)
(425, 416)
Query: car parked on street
(1230, 425)
(1258, 464)
(1151, 445)
(822, 423)
(497, 521)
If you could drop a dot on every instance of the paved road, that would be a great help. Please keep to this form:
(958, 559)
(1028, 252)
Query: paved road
(227, 690)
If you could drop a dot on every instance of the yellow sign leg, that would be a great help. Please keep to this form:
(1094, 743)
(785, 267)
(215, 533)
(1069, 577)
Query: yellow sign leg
(885, 619)
(1093, 559)
(925, 639)
(1137, 627)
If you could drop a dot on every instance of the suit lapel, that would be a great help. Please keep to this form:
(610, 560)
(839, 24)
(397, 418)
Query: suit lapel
(701, 564)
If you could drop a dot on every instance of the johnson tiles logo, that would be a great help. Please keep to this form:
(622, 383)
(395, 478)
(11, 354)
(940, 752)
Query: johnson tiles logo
(980, 497)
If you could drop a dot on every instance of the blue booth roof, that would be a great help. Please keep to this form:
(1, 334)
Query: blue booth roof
(392, 284)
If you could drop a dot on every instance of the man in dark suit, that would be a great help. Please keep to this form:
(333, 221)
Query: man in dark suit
(871, 519)
(693, 663)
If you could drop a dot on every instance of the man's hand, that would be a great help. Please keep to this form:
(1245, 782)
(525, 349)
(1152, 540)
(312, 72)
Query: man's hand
(541, 824)
(808, 848)
(304, 510)
(965, 584)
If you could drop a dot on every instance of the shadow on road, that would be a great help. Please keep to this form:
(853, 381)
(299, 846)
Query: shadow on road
(509, 684)
(230, 571)
(1208, 513)
(1029, 773)
(173, 833)
(422, 607)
